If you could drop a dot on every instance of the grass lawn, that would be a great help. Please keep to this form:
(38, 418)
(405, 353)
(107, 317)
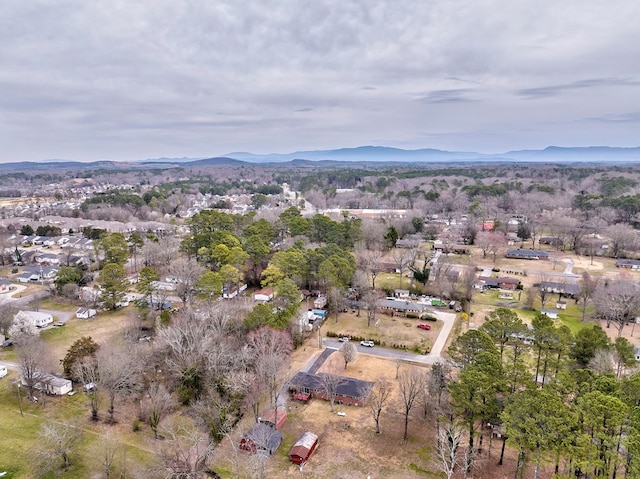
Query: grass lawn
(104, 326)
(483, 303)
(390, 331)
(51, 303)
(21, 434)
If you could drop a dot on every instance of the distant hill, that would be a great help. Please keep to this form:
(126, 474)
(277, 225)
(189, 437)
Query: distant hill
(382, 153)
(363, 156)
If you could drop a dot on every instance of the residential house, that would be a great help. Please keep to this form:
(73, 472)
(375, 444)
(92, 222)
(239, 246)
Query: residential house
(628, 264)
(397, 307)
(351, 391)
(50, 384)
(529, 254)
(37, 273)
(498, 283)
(567, 289)
(550, 313)
(47, 258)
(37, 318)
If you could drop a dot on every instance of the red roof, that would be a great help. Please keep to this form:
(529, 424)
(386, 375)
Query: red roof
(303, 448)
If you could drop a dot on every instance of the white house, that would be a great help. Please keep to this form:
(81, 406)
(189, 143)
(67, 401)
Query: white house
(320, 302)
(36, 273)
(263, 295)
(51, 384)
(48, 258)
(85, 313)
(550, 313)
(37, 318)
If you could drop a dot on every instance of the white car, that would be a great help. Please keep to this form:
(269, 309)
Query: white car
(368, 344)
(343, 339)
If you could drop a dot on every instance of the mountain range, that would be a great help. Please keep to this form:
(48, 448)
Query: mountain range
(385, 154)
(363, 156)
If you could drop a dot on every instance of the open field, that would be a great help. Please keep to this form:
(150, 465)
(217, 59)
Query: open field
(390, 331)
(20, 434)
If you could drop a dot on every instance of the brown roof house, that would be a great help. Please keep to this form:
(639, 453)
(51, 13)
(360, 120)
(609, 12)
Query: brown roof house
(349, 391)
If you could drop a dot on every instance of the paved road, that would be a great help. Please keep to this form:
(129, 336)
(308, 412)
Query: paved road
(448, 320)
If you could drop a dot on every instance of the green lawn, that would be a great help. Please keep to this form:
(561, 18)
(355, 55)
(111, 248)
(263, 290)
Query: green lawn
(571, 317)
(20, 434)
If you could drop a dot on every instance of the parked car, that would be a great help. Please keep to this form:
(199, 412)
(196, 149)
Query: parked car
(343, 339)
(368, 344)
(89, 387)
(7, 342)
(424, 326)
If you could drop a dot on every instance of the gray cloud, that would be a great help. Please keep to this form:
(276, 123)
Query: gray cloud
(553, 90)
(127, 80)
(459, 95)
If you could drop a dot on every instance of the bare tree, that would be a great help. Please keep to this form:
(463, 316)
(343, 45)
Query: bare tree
(184, 453)
(117, 373)
(155, 405)
(401, 260)
(330, 384)
(490, 242)
(7, 312)
(111, 454)
(410, 384)
(369, 260)
(336, 301)
(449, 439)
(270, 350)
(349, 353)
(378, 400)
(602, 362)
(622, 236)
(588, 287)
(86, 370)
(215, 414)
(33, 360)
(617, 303)
(371, 299)
(185, 272)
(543, 289)
(56, 445)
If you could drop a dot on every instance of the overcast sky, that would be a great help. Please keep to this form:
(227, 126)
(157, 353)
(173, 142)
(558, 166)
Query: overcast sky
(125, 80)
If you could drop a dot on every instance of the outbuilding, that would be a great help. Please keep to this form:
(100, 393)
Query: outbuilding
(303, 448)
(263, 295)
(261, 439)
(86, 313)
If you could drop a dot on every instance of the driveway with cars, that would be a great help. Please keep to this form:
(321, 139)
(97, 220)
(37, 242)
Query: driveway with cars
(448, 320)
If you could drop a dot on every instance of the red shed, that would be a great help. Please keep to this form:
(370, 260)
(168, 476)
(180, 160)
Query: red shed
(303, 448)
(269, 417)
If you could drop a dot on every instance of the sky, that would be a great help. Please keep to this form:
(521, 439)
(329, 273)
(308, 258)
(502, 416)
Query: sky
(129, 80)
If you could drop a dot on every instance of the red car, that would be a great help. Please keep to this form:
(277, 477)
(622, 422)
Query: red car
(424, 326)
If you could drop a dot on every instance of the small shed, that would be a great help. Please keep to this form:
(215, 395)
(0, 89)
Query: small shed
(303, 448)
(85, 313)
(274, 418)
(261, 439)
(263, 295)
(550, 313)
